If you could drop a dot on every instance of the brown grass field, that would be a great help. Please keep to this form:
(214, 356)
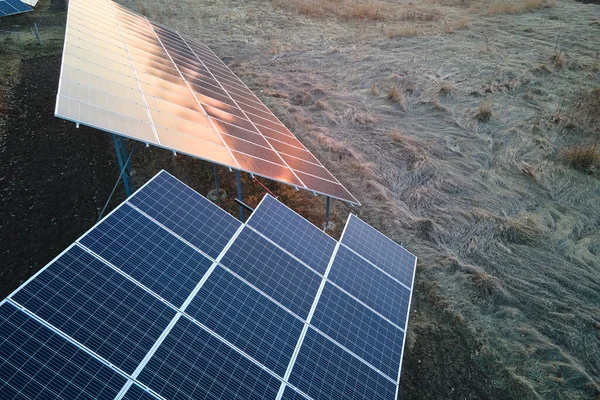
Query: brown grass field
(470, 132)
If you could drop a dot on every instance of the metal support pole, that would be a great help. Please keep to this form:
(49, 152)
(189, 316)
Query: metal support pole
(239, 187)
(327, 213)
(123, 147)
(122, 166)
(37, 34)
(216, 181)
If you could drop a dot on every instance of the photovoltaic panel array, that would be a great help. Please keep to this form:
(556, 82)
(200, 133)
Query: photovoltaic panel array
(171, 297)
(127, 75)
(10, 7)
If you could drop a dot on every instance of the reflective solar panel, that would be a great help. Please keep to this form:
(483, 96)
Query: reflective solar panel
(98, 307)
(292, 232)
(370, 285)
(169, 296)
(247, 319)
(325, 371)
(127, 75)
(273, 271)
(11, 7)
(193, 364)
(381, 251)
(37, 363)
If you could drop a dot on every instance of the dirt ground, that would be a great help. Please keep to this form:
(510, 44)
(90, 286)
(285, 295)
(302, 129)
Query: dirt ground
(448, 119)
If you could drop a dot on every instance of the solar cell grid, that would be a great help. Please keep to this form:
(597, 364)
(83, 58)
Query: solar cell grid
(117, 45)
(191, 363)
(36, 363)
(187, 213)
(247, 319)
(11, 7)
(137, 393)
(380, 250)
(273, 271)
(293, 233)
(291, 394)
(370, 285)
(98, 307)
(148, 253)
(359, 329)
(325, 371)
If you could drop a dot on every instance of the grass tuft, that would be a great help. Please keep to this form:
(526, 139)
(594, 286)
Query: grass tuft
(484, 112)
(585, 159)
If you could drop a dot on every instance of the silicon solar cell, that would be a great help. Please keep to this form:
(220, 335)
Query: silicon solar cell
(36, 362)
(98, 307)
(11, 7)
(292, 232)
(148, 253)
(359, 329)
(191, 363)
(325, 371)
(381, 251)
(370, 285)
(169, 296)
(247, 319)
(127, 75)
(186, 213)
(273, 271)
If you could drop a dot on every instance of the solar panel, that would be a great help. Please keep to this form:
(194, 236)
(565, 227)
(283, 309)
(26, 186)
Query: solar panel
(11, 7)
(127, 75)
(171, 297)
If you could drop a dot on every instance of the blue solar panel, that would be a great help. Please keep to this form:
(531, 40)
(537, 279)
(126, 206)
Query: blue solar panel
(246, 318)
(380, 250)
(137, 393)
(148, 253)
(191, 363)
(291, 394)
(359, 329)
(36, 363)
(293, 233)
(186, 213)
(98, 307)
(325, 371)
(10, 7)
(273, 271)
(370, 285)
(113, 297)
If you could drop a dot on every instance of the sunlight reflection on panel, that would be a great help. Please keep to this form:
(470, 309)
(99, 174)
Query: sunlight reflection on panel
(127, 75)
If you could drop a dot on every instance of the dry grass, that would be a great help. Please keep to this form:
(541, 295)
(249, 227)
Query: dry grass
(445, 89)
(584, 115)
(397, 96)
(484, 112)
(406, 31)
(515, 6)
(582, 158)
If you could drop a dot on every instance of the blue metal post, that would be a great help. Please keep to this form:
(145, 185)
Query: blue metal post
(239, 187)
(327, 213)
(123, 147)
(122, 166)
(216, 181)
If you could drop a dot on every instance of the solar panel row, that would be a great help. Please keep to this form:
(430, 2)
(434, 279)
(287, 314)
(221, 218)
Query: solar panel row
(11, 7)
(127, 75)
(149, 305)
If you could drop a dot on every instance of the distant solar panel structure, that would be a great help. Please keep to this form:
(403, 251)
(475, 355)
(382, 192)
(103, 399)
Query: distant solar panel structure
(11, 7)
(127, 75)
(171, 297)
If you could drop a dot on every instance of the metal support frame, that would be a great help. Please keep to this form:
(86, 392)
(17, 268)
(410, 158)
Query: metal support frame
(216, 181)
(327, 213)
(239, 190)
(124, 166)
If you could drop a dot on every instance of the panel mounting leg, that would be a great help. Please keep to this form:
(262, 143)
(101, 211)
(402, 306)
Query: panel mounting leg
(123, 165)
(239, 190)
(216, 181)
(327, 213)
